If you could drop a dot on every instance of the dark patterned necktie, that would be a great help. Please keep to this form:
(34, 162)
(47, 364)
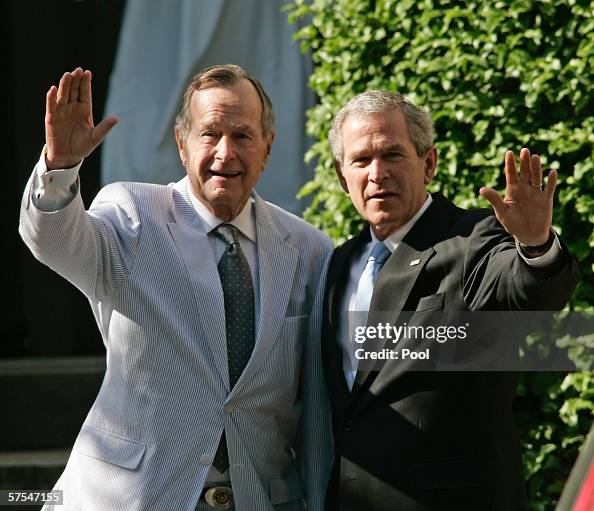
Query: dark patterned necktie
(238, 290)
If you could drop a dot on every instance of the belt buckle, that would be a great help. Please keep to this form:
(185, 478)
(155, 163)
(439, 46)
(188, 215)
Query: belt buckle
(219, 497)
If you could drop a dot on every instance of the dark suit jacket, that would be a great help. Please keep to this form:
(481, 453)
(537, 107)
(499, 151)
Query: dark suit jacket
(439, 441)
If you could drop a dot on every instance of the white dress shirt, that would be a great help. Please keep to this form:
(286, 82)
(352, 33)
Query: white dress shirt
(245, 222)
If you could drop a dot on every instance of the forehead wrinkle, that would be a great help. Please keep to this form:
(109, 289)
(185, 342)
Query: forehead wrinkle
(391, 147)
(377, 128)
(215, 112)
(208, 123)
(375, 147)
(241, 126)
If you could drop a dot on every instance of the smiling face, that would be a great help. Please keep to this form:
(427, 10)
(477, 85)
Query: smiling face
(381, 170)
(224, 151)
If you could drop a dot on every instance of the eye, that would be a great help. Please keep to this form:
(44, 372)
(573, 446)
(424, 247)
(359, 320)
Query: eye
(242, 135)
(392, 155)
(361, 161)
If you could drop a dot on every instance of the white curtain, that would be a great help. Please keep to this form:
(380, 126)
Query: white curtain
(162, 44)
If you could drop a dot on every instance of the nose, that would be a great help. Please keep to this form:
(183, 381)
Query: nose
(377, 170)
(225, 150)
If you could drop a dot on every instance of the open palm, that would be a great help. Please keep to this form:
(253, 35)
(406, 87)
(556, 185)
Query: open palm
(70, 132)
(526, 211)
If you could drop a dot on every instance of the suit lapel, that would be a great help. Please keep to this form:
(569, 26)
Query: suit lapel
(339, 272)
(335, 287)
(391, 291)
(399, 273)
(277, 262)
(191, 239)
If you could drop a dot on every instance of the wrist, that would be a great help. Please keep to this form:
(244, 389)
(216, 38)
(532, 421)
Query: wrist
(538, 250)
(55, 163)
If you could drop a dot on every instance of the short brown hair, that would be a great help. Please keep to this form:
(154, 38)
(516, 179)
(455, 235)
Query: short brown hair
(223, 76)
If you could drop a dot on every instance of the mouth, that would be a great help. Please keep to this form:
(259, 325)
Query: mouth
(380, 195)
(224, 173)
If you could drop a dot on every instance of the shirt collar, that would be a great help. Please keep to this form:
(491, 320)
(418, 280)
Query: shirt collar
(244, 221)
(396, 237)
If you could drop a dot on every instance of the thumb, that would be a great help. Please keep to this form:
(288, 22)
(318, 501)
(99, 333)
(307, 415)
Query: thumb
(495, 199)
(103, 128)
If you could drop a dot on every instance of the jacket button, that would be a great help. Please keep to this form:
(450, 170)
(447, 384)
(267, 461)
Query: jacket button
(348, 425)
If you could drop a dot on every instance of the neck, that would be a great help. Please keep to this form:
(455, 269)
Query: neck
(224, 212)
(382, 232)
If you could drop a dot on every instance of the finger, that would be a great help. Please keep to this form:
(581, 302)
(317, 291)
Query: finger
(551, 184)
(85, 87)
(103, 128)
(535, 170)
(75, 85)
(511, 173)
(496, 201)
(50, 100)
(524, 166)
(64, 89)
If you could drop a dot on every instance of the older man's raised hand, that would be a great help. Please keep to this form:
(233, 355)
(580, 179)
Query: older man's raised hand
(526, 211)
(70, 132)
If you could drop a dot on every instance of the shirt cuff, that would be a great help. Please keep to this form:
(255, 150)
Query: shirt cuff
(547, 258)
(53, 189)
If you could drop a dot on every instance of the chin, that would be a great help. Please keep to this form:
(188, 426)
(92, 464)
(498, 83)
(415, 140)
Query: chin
(380, 218)
(223, 196)
(228, 201)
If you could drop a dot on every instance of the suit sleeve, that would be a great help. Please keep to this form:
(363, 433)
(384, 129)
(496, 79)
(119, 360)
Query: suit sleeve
(94, 249)
(496, 277)
(315, 452)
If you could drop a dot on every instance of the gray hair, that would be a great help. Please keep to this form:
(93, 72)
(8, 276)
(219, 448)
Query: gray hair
(418, 120)
(224, 76)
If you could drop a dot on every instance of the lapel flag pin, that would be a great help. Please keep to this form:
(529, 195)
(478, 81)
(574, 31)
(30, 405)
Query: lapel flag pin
(415, 261)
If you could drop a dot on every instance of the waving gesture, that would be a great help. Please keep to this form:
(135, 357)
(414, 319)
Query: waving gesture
(526, 212)
(70, 132)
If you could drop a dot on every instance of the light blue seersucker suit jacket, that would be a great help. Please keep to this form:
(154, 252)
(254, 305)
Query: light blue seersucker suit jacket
(141, 256)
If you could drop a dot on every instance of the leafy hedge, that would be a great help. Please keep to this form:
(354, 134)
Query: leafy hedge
(496, 75)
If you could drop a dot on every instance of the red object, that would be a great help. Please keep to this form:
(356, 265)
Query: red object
(585, 498)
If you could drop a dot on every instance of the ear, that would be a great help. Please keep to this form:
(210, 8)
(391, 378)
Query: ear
(269, 144)
(343, 183)
(430, 164)
(181, 145)
(269, 147)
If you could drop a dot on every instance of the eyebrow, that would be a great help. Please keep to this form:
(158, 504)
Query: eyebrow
(237, 126)
(241, 127)
(393, 148)
(396, 147)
